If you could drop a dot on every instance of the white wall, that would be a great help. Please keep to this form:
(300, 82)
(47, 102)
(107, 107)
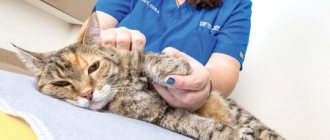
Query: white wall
(286, 75)
(30, 27)
(75, 29)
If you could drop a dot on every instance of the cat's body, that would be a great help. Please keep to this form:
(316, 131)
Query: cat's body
(105, 78)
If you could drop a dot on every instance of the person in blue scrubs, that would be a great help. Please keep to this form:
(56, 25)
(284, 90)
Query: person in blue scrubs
(212, 35)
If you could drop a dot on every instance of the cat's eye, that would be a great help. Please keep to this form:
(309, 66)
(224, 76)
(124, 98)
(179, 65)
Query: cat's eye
(94, 67)
(61, 83)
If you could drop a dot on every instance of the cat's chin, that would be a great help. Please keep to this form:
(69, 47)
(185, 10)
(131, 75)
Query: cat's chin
(100, 99)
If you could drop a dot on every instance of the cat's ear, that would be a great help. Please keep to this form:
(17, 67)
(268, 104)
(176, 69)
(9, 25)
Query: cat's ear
(92, 33)
(34, 62)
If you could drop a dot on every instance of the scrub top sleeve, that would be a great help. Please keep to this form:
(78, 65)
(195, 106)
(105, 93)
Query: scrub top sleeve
(116, 8)
(233, 36)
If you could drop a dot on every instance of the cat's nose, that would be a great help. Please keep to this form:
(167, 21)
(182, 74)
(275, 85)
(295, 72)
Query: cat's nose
(88, 94)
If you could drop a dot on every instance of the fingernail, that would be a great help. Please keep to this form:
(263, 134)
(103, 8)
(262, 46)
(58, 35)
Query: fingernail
(170, 81)
(163, 52)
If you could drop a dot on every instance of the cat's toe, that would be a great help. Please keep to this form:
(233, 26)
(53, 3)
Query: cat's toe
(269, 135)
(182, 67)
(246, 133)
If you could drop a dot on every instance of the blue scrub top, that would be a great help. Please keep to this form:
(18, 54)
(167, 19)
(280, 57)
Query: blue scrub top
(198, 33)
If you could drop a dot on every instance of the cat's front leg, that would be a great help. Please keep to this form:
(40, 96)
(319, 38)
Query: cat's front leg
(158, 67)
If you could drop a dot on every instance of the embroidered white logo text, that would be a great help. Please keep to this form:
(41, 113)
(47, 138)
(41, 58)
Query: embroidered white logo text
(209, 26)
(151, 6)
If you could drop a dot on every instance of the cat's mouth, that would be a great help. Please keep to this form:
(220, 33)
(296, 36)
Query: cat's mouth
(97, 100)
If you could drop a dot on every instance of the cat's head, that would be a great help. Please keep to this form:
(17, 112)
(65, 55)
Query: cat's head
(77, 73)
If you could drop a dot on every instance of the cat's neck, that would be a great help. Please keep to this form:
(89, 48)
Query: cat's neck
(130, 69)
(134, 60)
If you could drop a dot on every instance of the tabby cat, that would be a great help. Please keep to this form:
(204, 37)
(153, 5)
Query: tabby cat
(89, 75)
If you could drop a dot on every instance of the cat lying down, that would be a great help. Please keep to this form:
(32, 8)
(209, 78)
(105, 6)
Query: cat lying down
(91, 76)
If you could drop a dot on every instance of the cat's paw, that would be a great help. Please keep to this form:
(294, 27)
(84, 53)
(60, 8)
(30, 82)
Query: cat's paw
(246, 133)
(159, 67)
(178, 66)
(174, 66)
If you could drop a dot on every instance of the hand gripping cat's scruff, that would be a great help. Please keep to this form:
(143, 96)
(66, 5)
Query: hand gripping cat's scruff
(89, 75)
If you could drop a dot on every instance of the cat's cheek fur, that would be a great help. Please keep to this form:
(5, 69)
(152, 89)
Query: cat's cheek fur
(80, 102)
(101, 98)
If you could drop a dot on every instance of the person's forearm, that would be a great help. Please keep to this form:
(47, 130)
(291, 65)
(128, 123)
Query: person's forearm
(224, 73)
(223, 81)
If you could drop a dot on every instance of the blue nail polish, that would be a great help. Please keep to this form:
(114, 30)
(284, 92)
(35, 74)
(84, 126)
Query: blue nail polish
(170, 81)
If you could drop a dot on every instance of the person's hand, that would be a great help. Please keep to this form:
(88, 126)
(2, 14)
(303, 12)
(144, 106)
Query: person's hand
(123, 38)
(187, 92)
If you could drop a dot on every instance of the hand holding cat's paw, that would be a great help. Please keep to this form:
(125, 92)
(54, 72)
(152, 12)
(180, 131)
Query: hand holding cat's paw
(188, 91)
(198, 76)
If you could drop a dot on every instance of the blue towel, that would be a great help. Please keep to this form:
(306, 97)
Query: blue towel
(65, 122)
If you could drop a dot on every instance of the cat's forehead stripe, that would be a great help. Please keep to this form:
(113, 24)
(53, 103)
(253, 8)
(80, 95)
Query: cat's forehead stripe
(77, 59)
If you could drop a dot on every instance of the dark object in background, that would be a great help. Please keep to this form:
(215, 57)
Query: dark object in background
(209, 4)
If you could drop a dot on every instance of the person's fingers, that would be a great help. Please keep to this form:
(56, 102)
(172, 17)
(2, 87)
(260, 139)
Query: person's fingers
(167, 96)
(123, 38)
(138, 40)
(176, 53)
(164, 93)
(182, 96)
(108, 37)
(187, 97)
(189, 82)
